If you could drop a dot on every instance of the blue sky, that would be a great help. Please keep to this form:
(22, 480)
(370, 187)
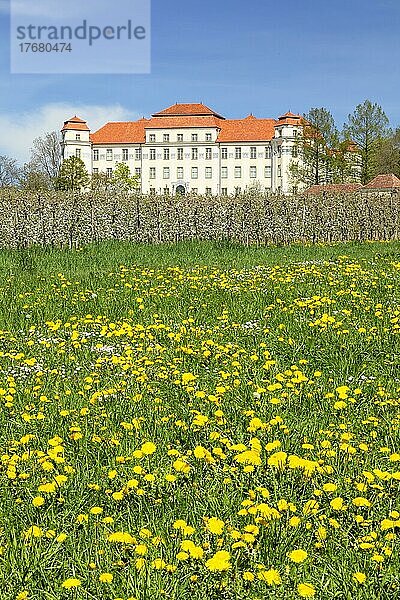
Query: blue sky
(259, 56)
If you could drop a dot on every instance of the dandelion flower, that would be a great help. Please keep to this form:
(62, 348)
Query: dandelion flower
(121, 537)
(306, 590)
(272, 576)
(298, 556)
(219, 562)
(359, 577)
(148, 448)
(38, 501)
(72, 582)
(215, 525)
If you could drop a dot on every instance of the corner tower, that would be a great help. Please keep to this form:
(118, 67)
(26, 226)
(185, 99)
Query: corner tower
(76, 141)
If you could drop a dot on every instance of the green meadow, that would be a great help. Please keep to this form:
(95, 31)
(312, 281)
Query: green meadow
(201, 420)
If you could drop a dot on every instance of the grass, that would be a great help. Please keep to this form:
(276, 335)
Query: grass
(222, 406)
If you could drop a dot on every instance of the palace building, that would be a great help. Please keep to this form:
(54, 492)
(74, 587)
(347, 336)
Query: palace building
(191, 148)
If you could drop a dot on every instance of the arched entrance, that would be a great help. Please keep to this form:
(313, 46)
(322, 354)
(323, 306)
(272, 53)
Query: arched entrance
(180, 189)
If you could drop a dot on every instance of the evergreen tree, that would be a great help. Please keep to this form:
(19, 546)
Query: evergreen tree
(367, 127)
(388, 155)
(314, 148)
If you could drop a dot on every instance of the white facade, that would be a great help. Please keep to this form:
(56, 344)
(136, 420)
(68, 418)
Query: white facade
(189, 148)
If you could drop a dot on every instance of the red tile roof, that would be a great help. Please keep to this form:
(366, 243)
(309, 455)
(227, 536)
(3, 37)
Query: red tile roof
(182, 110)
(75, 123)
(187, 121)
(383, 182)
(249, 129)
(129, 132)
(333, 188)
(290, 118)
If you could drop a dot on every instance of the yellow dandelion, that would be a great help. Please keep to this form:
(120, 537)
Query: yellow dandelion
(306, 590)
(271, 577)
(38, 501)
(72, 582)
(359, 577)
(121, 537)
(219, 562)
(298, 556)
(148, 448)
(215, 525)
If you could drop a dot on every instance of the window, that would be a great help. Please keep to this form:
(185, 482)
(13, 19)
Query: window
(152, 137)
(208, 137)
(166, 191)
(78, 152)
(238, 172)
(138, 171)
(253, 152)
(180, 153)
(238, 190)
(267, 171)
(224, 172)
(152, 172)
(208, 153)
(95, 171)
(279, 171)
(194, 137)
(267, 151)
(238, 153)
(166, 137)
(208, 172)
(124, 153)
(208, 191)
(152, 190)
(95, 155)
(180, 137)
(109, 154)
(78, 136)
(166, 173)
(166, 153)
(195, 172)
(195, 154)
(109, 172)
(279, 151)
(224, 191)
(152, 154)
(138, 153)
(294, 151)
(179, 173)
(224, 152)
(253, 172)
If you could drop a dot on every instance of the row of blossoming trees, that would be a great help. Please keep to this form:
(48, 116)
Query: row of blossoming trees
(72, 219)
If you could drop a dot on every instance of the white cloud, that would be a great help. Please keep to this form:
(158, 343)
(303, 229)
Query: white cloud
(18, 130)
